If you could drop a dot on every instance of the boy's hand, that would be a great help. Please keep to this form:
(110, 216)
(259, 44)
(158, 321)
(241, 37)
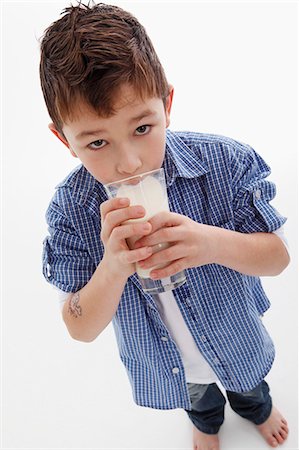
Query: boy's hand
(190, 244)
(118, 257)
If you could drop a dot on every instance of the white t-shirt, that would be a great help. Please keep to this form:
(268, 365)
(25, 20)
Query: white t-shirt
(197, 369)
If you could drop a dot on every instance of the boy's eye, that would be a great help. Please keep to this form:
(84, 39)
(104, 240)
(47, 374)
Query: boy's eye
(143, 129)
(95, 145)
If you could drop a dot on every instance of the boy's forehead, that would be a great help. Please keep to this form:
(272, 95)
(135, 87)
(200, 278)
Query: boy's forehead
(127, 100)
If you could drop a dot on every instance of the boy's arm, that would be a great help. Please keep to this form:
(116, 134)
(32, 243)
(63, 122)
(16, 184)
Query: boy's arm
(256, 254)
(194, 244)
(251, 248)
(87, 312)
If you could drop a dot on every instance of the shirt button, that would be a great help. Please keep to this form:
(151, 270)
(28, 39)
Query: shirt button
(203, 338)
(258, 194)
(164, 338)
(175, 370)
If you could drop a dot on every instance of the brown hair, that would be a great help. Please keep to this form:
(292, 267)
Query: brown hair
(89, 53)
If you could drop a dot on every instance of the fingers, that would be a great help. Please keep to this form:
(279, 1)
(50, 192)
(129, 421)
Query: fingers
(169, 234)
(127, 231)
(157, 238)
(117, 211)
(122, 223)
(134, 256)
(165, 219)
(171, 254)
(111, 204)
(168, 271)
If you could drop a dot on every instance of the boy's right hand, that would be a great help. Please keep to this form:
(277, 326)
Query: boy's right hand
(119, 259)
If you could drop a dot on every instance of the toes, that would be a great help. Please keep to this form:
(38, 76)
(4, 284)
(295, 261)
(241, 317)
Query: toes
(283, 434)
(285, 428)
(279, 438)
(272, 442)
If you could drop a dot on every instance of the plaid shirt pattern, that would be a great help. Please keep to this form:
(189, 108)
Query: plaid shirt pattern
(213, 180)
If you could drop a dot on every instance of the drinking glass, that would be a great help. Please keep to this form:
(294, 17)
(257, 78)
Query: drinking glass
(148, 190)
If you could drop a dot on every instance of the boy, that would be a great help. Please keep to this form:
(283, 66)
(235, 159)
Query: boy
(110, 103)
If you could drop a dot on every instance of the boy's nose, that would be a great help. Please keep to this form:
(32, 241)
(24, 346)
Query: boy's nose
(129, 164)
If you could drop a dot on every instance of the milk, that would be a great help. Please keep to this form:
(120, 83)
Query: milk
(150, 194)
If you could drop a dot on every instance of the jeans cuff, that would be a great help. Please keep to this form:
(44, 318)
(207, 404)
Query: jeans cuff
(203, 428)
(266, 414)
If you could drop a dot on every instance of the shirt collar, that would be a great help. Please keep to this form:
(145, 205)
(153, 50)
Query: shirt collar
(84, 187)
(181, 160)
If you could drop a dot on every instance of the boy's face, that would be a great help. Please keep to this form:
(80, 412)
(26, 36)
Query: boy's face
(130, 142)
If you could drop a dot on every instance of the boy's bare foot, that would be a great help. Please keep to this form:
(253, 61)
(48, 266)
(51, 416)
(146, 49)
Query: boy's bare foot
(203, 441)
(275, 429)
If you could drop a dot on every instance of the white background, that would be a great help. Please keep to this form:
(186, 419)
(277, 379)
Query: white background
(234, 68)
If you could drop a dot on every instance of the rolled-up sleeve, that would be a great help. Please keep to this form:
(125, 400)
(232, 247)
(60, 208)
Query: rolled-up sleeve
(66, 262)
(252, 195)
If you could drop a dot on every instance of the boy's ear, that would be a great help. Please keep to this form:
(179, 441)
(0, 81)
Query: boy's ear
(57, 134)
(61, 138)
(169, 104)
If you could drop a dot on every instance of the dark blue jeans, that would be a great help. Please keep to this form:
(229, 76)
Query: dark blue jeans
(207, 402)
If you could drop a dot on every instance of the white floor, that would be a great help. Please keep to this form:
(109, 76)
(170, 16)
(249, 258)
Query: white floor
(173, 429)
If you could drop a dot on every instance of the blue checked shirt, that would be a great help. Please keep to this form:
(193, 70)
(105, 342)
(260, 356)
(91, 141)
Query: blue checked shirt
(213, 180)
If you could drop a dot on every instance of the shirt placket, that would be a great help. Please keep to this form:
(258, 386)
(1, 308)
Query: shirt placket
(198, 327)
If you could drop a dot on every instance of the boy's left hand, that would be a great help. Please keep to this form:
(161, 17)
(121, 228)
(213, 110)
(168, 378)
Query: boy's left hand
(190, 244)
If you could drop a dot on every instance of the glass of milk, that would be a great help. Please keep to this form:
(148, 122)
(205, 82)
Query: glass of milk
(148, 190)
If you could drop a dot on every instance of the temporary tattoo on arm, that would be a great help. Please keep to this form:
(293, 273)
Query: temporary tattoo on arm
(74, 309)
